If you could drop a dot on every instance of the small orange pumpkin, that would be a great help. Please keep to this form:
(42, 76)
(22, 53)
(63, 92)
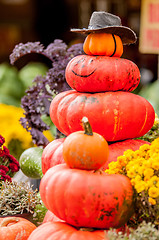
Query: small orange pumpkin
(103, 44)
(15, 228)
(85, 149)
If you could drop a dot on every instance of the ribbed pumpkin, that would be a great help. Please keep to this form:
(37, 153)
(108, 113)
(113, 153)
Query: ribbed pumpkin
(85, 198)
(101, 73)
(52, 154)
(15, 228)
(103, 44)
(85, 149)
(61, 231)
(114, 115)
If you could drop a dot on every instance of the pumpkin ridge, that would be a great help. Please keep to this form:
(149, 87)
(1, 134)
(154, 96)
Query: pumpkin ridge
(54, 107)
(65, 123)
(114, 45)
(82, 100)
(144, 120)
(54, 175)
(116, 118)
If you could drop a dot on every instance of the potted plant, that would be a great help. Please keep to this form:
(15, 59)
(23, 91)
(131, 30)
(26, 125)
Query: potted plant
(19, 199)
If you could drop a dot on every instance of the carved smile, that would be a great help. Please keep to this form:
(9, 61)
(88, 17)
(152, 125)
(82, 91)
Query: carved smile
(84, 75)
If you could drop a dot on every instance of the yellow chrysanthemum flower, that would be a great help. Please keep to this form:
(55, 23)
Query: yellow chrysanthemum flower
(148, 173)
(153, 192)
(155, 164)
(152, 201)
(153, 181)
(141, 170)
(122, 160)
(144, 148)
(136, 180)
(136, 154)
(131, 173)
(140, 186)
(146, 164)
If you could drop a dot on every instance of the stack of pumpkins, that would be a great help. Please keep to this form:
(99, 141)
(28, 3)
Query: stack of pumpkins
(77, 191)
(88, 200)
(102, 83)
(113, 111)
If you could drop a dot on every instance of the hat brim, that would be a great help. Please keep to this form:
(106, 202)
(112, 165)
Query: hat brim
(127, 35)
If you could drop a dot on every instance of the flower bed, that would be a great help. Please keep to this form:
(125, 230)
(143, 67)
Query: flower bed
(142, 167)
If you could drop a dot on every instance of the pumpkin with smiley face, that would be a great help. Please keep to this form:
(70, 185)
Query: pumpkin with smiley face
(86, 73)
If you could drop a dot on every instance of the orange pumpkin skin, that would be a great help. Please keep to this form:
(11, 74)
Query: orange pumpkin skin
(114, 115)
(50, 217)
(101, 73)
(103, 44)
(52, 154)
(61, 231)
(84, 151)
(118, 148)
(85, 198)
(15, 228)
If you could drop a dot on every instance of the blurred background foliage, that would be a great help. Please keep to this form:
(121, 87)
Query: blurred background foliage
(14, 82)
(150, 91)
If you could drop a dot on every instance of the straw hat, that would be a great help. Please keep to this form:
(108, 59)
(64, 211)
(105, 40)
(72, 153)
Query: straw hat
(108, 23)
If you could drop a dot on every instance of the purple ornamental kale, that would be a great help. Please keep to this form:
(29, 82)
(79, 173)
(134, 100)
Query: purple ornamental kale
(38, 97)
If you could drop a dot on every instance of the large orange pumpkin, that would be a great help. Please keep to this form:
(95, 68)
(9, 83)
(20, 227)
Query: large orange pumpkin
(15, 228)
(114, 115)
(103, 44)
(101, 73)
(63, 231)
(85, 198)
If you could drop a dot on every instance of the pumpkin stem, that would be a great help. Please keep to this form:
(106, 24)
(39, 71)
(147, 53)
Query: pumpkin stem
(9, 220)
(87, 127)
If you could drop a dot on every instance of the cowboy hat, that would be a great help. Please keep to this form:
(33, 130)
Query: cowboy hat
(106, 22)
